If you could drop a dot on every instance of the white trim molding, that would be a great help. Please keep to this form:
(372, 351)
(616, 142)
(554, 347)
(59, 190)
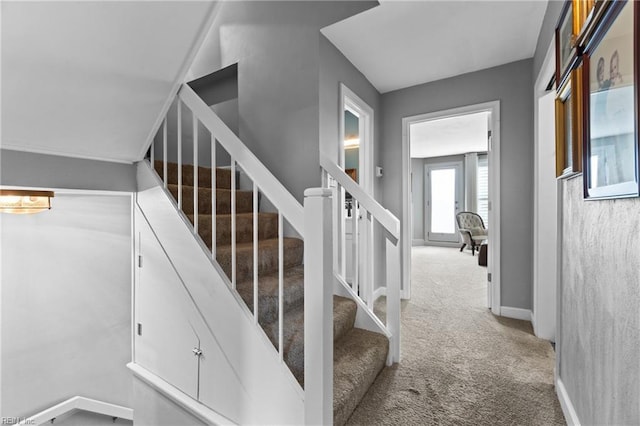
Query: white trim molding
(379, 292)
(180, 398)
(494, 193)
(515, 313)
(79, 403)
(568, 409)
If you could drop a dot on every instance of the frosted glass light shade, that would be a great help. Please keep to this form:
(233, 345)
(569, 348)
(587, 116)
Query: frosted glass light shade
(24, 201)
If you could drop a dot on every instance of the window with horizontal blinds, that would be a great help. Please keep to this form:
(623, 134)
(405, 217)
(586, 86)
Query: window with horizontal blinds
(483, 188)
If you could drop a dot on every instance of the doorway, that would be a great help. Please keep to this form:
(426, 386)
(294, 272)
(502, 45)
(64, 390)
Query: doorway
(473, 201)
(355, 251)
(443, 200)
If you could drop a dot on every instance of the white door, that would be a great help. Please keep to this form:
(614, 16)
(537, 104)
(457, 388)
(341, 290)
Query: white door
(443, 198)
(355, 228)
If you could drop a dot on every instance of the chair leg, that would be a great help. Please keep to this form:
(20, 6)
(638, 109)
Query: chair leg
(463, 246)
(473, 249)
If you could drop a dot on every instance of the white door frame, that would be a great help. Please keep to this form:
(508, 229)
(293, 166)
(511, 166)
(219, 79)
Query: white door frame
(459, 189)
(493, 254)
(353, 103)
(544, 290)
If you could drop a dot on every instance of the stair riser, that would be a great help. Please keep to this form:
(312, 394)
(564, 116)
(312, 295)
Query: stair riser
(223, 176)
(267, 259)
(244, 200)
(267, 228)
(344, 313)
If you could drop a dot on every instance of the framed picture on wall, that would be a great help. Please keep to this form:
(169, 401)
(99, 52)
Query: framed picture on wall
(610, 101)
(566, 52)
(568, 128)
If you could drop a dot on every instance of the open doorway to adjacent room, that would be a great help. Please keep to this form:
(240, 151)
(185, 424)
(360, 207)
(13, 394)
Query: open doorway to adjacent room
(452, 183)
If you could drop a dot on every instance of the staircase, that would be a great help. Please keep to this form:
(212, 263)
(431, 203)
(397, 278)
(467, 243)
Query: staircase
(359, 355)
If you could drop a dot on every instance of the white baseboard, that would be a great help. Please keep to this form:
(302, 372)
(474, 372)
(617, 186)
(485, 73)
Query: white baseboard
(417, 242)
(515, 313)
(568, 410)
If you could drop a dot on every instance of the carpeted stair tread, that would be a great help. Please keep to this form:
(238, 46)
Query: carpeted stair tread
(267, 259)
(358, 358)
(268, 286)
(344, 313)
(244, 200)
(267, 227)
(223, 176)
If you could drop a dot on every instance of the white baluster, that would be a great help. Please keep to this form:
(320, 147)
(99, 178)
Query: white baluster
(280, 286)
(318, 307)
(255, 252)
(393, 299)
(355, 238)
(164, 153)
(369, 264)
(179, 103)
(195, 174)
(213, 197)
(152, 155)
(233, 223)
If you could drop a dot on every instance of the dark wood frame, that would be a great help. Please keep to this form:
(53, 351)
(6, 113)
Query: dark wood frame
(608, 15)
(570, 92)
(562, 73)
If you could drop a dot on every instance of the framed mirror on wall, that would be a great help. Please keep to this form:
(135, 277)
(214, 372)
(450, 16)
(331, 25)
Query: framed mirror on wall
(610, 102)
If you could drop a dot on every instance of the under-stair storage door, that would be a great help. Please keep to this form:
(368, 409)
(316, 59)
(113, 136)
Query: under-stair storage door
(164, 336)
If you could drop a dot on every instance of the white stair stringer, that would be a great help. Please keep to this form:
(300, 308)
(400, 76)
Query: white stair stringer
(180, 290)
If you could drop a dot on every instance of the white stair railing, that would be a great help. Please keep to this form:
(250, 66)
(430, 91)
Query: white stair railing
(309, 223)
(313, 223)
(361, 285)
(78, 403)
(238, 157)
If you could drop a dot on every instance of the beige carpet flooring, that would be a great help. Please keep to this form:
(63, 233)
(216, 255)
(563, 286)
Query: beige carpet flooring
(461, 365)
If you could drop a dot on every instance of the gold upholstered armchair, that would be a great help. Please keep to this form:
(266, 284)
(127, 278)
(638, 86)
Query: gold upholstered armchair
(472, 230)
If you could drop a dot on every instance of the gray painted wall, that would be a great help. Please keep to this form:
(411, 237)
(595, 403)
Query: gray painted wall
(512, 85)
(600, 307)
(66, 304)
(276, 46)
(27, 169)
(551, 16)
(417, 198)
(336, 69)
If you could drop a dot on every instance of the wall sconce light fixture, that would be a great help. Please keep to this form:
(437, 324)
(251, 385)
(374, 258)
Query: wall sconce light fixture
(19, 201)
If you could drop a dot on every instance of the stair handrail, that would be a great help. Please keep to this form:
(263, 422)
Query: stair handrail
(79, 403)
(382, 215)
(251, 165)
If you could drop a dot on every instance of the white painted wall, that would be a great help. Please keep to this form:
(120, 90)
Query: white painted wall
(66, 304)
(546, 234)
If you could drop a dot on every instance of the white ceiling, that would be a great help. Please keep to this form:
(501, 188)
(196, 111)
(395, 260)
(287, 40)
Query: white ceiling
(449, 136)
(403, 43)
(90, 79)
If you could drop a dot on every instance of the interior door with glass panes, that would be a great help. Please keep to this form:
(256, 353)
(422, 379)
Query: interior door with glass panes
(444, 194)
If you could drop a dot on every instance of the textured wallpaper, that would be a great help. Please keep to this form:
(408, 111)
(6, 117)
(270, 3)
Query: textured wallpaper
(600, 307)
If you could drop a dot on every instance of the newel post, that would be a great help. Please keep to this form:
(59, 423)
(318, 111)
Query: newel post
(318, 306)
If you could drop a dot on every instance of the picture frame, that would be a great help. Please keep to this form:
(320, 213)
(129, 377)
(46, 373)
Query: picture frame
(584, 15)
(566, 52)
(610, 104)
(568, 126)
